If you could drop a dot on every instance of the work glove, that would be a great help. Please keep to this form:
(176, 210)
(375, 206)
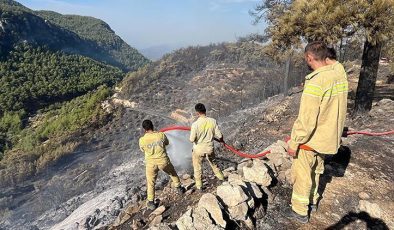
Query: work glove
(291, 152)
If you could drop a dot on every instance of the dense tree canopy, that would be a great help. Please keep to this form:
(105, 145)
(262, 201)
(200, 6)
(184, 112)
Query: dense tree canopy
(32, 78)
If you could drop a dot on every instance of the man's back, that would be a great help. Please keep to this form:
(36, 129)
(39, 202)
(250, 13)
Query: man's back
(153, 145)
(203, 131)
(337, 66)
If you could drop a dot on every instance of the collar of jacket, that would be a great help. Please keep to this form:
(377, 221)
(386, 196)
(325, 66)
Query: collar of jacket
(319, 70)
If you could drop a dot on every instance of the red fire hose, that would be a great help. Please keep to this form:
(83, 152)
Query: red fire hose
(369, 133)
(246, 155)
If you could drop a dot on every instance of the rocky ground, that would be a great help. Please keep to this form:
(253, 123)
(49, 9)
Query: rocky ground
(356, 188)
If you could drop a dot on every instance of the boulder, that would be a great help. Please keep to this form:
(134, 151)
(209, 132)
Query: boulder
(239, 211)
(236, 179)
(202, 221)
(255, 190)
(196, 219)
(211, 204)
(283, 144)
(185, 222)
(257, 173)
(231, 195)
(241, 165)
(372, 209)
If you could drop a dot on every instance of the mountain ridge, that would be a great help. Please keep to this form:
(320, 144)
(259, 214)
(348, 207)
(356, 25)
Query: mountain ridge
(19, 24)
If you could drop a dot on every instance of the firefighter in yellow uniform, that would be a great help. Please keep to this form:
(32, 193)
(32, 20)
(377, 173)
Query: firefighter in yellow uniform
(202, 134)
(153, 144)
(317, 130)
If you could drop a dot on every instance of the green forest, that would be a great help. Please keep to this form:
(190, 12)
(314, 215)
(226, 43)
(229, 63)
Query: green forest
(33, 78)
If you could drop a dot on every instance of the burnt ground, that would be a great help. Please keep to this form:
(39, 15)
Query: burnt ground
(362, 169)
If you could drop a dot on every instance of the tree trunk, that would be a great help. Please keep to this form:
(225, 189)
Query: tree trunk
(367, 79)
(286, 78)
(340, 51)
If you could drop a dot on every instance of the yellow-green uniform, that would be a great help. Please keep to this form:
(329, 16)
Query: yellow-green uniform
(202, 134)
(319, 125)
(153, 145)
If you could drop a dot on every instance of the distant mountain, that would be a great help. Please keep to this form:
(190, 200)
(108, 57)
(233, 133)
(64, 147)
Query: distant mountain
(154, 53)
(85, 36)
(99, 32)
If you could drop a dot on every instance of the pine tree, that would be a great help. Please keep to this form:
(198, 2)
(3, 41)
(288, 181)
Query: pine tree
(292, 23)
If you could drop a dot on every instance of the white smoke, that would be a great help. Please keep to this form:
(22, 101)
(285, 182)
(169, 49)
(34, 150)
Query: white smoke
(180, 149)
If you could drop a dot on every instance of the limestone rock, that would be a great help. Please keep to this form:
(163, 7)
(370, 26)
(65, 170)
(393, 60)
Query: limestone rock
(363, 196)
(241, 165)
(372, 208)
(283, 144)
(235, 179)
(255, 191)
(196, 219)
(239, 211)
(211, 204)
(202, 221)
(258, 173)
(185, 222)
(251, 203)
(231, 195)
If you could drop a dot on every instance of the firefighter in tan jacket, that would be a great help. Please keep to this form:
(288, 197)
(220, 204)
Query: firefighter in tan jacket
(202, 134)
(153, 144)
(317, 130)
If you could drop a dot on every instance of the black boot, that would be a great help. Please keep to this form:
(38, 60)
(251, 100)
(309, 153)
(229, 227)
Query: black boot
(180, 190)
(151, 205)
(289, 213)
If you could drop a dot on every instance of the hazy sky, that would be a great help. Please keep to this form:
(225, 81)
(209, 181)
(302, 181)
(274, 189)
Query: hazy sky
(146, 23)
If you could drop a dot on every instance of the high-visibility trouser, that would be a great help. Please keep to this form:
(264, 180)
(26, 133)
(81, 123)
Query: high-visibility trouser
(197, 158)
(152, 168)
(306, 170)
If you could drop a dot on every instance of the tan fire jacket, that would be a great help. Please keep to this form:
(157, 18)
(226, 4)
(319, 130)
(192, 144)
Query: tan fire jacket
(153, 145)
(322, 112)
(202, 133)
(337, 66)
